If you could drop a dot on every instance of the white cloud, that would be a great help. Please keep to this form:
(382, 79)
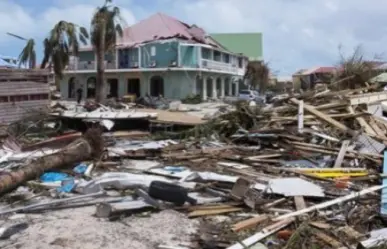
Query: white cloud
(17, 20)
(297, 33)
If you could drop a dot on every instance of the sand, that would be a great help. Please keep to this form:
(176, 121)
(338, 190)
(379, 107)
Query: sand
(78, 228)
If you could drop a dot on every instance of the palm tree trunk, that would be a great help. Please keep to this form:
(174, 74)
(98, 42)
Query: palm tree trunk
(75, 153)
(100, 84)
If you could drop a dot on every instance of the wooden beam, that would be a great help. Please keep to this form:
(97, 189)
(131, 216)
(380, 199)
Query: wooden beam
(343, 151)
(322, 116)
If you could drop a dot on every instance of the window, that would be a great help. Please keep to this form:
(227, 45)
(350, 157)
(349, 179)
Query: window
(3, 99)
(19, 98)
(226, 58)
(153, 51)
(41, 96)
(206, 53)
(217, 55)
(240, 62)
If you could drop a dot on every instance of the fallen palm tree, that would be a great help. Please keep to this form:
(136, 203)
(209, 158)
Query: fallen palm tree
(87, 147)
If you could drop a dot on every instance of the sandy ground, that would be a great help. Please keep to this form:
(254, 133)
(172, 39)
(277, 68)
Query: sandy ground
(78, 228)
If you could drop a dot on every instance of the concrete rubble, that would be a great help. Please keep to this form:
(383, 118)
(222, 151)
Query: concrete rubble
(305, 171)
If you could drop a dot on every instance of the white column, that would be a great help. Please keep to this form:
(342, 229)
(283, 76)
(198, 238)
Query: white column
(214, 83)
(236, 88)
(194, 85)
(116, 61)
(204, 90)
(222, 87)
(230, 87)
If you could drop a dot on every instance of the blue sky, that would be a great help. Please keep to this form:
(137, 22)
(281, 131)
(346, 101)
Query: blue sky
(297, 33)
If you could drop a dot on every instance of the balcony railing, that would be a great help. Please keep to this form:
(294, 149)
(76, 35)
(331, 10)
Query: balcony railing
(219, 66)
(86, 65)
(89, 65)
(110, 65)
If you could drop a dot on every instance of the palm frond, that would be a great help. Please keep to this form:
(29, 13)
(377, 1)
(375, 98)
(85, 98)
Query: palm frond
(17, 36)
(28, 55)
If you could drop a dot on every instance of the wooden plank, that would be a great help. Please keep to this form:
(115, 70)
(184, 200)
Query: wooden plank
(299, 202)
(249, 223)
(300, 116)
(331, 202)
(343, 151)
(208, 212)
(368, 129)
(323, 116)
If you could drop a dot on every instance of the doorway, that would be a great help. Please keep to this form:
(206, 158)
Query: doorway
(71, 88)
(90, 90)
(156, 86)
(134, 87)
(113, 88)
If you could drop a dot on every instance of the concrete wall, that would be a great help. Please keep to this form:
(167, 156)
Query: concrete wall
(177, 85)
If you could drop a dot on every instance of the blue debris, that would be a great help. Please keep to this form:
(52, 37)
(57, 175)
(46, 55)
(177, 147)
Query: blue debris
(67, 186)
(54, 177)
(67, 181)
(80, 168)
(175, 169)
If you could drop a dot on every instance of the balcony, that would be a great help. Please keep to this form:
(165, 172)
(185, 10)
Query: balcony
(219, 66)
(85, 65)
(110, 65)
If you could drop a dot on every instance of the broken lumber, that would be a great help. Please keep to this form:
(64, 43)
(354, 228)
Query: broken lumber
(331, 202)
(80, 150)
(323, 116)
(198, 213)
(249, 223)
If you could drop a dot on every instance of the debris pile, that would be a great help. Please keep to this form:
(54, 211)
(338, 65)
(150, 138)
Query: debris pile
(304, 172)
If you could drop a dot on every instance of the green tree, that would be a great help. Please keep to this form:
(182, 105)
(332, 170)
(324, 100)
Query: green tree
(64, 40)
(28, 54)
(257, 73)
(105, 28)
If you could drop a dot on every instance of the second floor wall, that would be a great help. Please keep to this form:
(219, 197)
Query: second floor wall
(163, 54)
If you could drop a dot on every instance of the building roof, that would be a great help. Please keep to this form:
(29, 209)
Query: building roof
(249, 44)
(315, 70)
(160, 26)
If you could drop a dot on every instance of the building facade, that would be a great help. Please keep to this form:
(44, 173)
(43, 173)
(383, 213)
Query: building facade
(160, 56)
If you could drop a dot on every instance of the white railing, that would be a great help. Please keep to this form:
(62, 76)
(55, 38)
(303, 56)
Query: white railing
(89, 65)
(86, 65)
(110, 65)
(221, 66)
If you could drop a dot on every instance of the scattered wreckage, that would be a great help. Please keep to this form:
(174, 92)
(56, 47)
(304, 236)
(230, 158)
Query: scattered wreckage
(304, 172)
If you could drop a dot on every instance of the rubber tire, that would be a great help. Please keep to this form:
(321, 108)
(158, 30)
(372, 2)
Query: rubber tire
(168, 192)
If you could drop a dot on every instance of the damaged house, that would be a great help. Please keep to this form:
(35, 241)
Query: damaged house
(22, 92)
(160, 56)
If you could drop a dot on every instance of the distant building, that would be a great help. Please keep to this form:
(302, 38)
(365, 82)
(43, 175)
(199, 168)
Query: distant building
(160, 56)
(22, 91)
(248, 44)
(308, 78)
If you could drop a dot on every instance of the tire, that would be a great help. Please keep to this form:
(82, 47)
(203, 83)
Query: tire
(168, 192)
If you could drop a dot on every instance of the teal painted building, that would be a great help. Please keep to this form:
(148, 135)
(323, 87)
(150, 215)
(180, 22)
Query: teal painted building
(160, 56)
